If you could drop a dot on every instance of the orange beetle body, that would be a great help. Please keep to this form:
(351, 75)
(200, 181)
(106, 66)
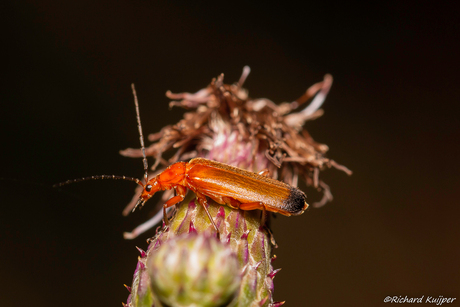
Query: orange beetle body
(225, 184)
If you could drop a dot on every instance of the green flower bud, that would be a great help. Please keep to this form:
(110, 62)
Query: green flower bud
(194, 270)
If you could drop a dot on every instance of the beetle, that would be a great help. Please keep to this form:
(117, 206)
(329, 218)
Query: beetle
(225, 184)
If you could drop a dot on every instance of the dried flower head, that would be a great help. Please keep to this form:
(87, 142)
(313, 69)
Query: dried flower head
(224, 124)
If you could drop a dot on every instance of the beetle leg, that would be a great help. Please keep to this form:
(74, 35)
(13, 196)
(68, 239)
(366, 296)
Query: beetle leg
(181, 191)
(263, 217)
(204, 203)
(231, 202)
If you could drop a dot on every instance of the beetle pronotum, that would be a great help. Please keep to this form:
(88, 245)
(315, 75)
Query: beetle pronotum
(225, 184)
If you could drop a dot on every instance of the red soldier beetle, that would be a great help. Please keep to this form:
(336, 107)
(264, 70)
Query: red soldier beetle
(225, 184)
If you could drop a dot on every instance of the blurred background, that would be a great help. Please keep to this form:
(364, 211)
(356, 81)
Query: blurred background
(391, 117)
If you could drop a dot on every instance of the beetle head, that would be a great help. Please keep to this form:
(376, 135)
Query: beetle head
(150, 188)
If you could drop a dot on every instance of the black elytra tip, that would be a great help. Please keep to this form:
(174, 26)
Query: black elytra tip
(296, 203)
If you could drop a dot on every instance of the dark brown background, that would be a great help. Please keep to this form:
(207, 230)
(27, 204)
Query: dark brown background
(391, 117)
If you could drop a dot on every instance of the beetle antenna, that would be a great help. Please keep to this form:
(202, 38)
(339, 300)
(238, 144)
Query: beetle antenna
(141, 136)
(97, 178)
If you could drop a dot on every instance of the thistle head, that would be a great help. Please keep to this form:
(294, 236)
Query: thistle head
(194, 270)
(224, 124)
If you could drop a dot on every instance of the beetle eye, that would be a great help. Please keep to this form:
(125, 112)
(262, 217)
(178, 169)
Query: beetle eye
(148, 187)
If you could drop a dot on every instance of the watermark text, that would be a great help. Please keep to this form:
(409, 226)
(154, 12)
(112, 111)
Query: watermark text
(437, 300)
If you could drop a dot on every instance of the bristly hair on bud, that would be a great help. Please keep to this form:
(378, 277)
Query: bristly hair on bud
(224, 124)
